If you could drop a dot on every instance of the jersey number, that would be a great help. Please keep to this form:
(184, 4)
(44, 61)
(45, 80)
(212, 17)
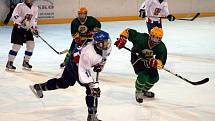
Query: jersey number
(157, 11)
(88, 73)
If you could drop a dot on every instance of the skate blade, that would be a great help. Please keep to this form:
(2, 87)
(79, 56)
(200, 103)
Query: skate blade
(34, 91)
(10, 70)
(26, 69)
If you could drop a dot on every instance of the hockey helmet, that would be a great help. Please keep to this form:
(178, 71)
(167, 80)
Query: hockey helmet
(156, 32)
(156, 35)
(82, 14)
(102, 40)
(82, 10)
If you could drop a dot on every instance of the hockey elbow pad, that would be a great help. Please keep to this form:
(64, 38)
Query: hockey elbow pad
(125, 34)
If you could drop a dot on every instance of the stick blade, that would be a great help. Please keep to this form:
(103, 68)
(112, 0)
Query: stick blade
(192, 19)
(197, 14)
(200, 82)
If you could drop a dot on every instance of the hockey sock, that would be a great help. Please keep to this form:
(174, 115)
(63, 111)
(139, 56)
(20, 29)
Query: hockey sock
(13, 52)
(138, 85)
(141, 80)
(147, 86)
(29, 50)
(92, 106)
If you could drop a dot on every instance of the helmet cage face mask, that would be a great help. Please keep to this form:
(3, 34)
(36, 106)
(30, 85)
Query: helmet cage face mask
(154, 40)
(82, 16)
(156, 35)
(104, 44)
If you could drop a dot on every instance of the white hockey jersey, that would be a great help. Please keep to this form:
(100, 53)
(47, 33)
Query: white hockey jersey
(20, 12)
(154, 9)
(88, 59)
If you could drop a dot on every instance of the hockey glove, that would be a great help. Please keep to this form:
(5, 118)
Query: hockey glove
(142, 13)
(98, 68)
(76, 58)
(76, 55)
(153, 63)
(170, 17)
(78, 41)
(35, 32)
(94, 88)
(120, 43)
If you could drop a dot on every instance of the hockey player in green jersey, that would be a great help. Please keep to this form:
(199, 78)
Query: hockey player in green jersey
(82, 29)
(148, 54)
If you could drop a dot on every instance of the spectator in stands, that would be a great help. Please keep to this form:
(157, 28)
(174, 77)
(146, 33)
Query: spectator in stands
(12, 5)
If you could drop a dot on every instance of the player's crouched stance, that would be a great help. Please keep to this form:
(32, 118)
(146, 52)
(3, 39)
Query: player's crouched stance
(78, 69)
(25, 25)
(148, 54)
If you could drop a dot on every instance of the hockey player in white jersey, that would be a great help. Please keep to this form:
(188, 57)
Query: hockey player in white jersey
(154, 10)
(78, 68)
(25, 25)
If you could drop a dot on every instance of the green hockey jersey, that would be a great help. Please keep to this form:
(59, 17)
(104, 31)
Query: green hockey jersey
(83, 28)
(141, 44)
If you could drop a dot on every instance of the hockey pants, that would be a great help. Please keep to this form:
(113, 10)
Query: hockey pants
(154, 24)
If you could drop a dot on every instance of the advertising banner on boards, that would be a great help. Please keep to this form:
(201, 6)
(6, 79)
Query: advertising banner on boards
(46, 9)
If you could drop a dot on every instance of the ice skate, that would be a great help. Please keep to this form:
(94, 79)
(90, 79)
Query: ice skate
(26, 66)
(148, 94)
(139, 96)
(36, 89)
(92, 117)
(10, 67)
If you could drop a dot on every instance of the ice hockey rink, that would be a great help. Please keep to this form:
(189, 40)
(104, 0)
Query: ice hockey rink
(191, 53)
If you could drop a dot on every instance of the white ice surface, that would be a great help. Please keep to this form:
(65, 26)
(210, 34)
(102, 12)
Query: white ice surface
(191, 53)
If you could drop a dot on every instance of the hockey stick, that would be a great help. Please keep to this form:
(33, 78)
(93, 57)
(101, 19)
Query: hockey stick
(184, 19)
(97, 76)
(193, 83)
(197, 14)
(59, 53)
(95, 97)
